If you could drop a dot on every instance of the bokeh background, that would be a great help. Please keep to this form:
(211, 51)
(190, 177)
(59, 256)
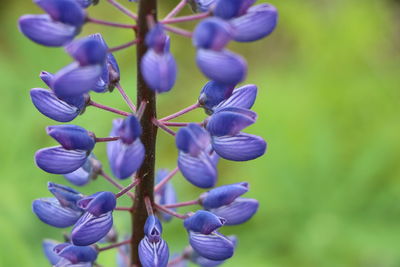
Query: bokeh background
(328, 105)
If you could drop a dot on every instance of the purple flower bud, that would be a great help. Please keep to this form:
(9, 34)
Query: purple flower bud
(214, 93)
(65, 11)
(89, 228)
(257, 23)
(159, 70)
(124, 159)
(110, 74)
(240, 147)
(156, 39)
(43, 30)
(230, 121)
(130, 130)
(242, 97)
(74, 80)
(153, 254)
(89, 171)
(46, 77)
(166, 195)
(87, 51)
(76, 254)
(201, 171)
(214, 246)
(67, 196)
(223, 195)
(50, 211)
(153, 229)
(98, 203)
(239, 211)
(228, 9)
(222, 66)
(203, 222)
(212, 33)
(72, 137)
(192, 139)
(48, 246)
(201, 5)
(59, 160)
(49, 105)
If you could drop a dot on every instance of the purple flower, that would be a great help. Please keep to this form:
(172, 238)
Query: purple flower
(51, 106)
(124, 159)
(76, 254)
(46, 77)
(228, 141)
(212, 33)
(223, 195)
(48, 249)
(194, 160)
(65, 11)
(90, 228)
(242, 97)
(228, 9)
(201, 5)
(50, 211)
(67, 196)
(153, 250)
(237, 212)
(214, 246)
(88, 171)
(203, 222)
(59, 160)
(156, 39)
(110, 74)
(98, 203)
(87, 51)
(204, 262)
(212, 94)
(130, 130)
(72, 137)
(257, 23)
(222, 66)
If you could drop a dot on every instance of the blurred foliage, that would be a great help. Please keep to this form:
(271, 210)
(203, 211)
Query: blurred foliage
(328, 105)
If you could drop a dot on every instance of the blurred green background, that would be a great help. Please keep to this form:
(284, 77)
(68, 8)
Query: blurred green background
(328, 106)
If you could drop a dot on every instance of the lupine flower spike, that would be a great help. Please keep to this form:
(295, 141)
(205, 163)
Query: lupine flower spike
(88, 219)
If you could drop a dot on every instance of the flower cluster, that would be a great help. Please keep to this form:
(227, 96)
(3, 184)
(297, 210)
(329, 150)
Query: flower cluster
(200, 145)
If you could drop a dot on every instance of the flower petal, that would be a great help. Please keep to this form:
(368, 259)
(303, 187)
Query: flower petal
(242, 97)
(98, 203)
(153, 229)
(65, 11)
(58, 160)
(153, 254)
(214, 246)
(90, 229)
(200, 171)
(74, 80)
(203, 222)
(43, 30)
(201, 5)
(76, 254)
(212, 33)
(222, 66)
(228, 9)
(257, 23)
(72, 136)
(192, 139)
(67, 196)
(239, 211)
(223, 195)
(87, 51)
(213, 93)
(84, 174)
(241, 147)
(50, 211)
(49, 105)
(159, 70)
(48, 246)
(230, 121)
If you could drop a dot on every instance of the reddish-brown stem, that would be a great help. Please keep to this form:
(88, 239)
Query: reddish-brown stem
(123, 46)
(149, 207)
(125, 242)
(127, 188)
(115, 183)
(124, 10)
(182, 204)
(106, 139)
(176, 124)
(110, 109)
(163, 127)
(180, 112)
(166, 179)
(124, 209)
(170, 212)
(126, 97)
